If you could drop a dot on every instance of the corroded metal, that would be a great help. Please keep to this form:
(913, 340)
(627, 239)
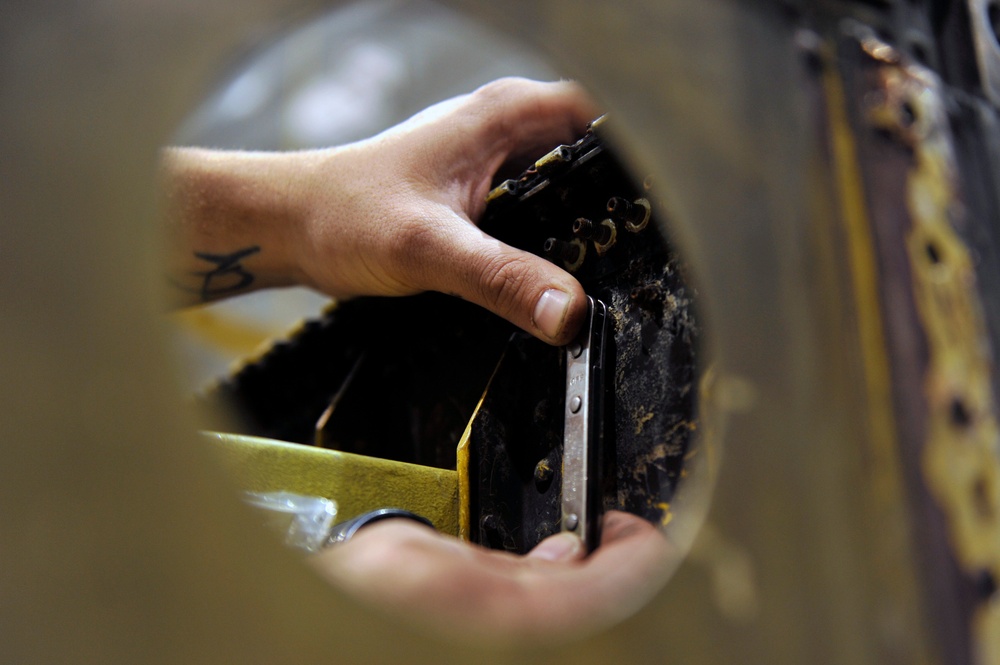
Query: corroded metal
(961, 459)
(944, 402)
(650, 392)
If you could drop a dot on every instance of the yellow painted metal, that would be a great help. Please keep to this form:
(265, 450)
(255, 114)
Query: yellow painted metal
(464, 510)
(462, 455)
(885, 488)
(356, 482)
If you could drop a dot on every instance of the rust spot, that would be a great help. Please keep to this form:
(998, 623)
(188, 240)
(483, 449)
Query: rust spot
(641, 419)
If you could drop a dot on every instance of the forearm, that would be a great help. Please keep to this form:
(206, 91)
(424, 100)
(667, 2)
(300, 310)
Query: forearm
(232, 220)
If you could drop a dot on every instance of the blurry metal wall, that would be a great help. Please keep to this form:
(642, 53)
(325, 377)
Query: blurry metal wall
(121, 542)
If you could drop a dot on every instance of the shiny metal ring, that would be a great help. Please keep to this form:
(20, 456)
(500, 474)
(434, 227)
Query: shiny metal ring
(341, 533)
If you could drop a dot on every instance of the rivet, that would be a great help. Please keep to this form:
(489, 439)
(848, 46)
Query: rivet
(575, 403)
(572, 521)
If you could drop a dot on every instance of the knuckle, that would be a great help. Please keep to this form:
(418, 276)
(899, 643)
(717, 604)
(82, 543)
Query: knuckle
(504, 282)
(498, 106)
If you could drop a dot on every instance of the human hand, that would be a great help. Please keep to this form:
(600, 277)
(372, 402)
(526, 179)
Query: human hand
(392, 215)
(484, 594)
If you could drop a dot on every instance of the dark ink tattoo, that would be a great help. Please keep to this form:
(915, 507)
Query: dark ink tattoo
(228, 275)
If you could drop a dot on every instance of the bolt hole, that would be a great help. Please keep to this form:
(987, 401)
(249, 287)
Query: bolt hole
(907, 114)
(933, 253)
(986, 585)
(993, 16)
(960, 415)
(920, 53)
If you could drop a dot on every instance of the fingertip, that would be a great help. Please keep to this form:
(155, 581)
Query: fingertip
(561, 547)
(557, 315)
(575, 317)
(550, 313)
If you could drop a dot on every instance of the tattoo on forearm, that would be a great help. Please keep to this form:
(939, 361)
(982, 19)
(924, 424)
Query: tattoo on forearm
(228, 275)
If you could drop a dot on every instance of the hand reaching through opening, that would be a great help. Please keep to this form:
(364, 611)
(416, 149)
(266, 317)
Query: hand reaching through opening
(391, 215)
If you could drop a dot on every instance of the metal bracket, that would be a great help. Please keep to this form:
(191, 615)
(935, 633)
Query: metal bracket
(583, 429)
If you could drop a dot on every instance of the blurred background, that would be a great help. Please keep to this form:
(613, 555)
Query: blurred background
(343, 77)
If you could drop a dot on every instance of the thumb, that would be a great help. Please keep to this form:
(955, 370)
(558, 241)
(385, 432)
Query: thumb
(528, 291)
(563, 546)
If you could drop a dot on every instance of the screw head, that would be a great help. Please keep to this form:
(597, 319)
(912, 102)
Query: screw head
(489, 523)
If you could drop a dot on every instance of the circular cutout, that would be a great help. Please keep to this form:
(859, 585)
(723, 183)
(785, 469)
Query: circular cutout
(351, 382)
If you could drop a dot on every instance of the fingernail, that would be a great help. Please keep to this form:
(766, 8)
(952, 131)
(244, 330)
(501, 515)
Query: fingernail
(550, 312)
(560, 547)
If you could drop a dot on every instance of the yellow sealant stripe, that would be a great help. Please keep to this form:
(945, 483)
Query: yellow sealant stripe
(864, 277)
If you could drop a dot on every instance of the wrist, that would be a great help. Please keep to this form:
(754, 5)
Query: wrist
(331, 235)
(230, 219)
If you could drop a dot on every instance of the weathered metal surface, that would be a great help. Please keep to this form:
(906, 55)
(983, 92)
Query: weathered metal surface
(884, 472)
(583, 444)
(939, 346)
(515, 449)
(516, 452)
